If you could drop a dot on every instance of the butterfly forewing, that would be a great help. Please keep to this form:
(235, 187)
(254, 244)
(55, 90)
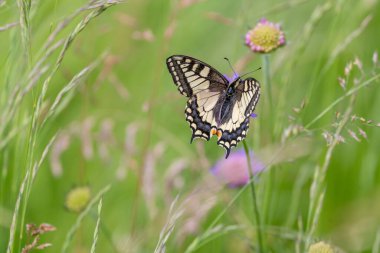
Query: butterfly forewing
(193, 76)
(204, 85)
(206, 89)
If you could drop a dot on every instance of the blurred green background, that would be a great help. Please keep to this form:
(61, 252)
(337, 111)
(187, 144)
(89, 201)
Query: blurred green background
(120, 123)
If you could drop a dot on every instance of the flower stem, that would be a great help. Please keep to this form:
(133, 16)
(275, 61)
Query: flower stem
(267, 83)
(270, 132)
(254, 200)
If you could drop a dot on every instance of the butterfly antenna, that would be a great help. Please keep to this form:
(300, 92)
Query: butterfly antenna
(229, 63)
(251, 71)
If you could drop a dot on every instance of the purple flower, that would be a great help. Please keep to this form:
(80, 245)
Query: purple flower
(265, 37)
(234, 170)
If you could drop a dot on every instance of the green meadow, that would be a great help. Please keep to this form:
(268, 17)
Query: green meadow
(95, 152)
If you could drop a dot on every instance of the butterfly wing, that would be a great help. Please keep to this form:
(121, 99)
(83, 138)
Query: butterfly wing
(193, 76)
(203, 85)
(242, 105)
(206, 88)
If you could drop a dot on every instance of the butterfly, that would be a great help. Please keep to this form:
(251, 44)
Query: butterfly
(215, 106)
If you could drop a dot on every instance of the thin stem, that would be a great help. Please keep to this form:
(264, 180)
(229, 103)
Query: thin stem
(267, 82)
(70, 234)
(254, 200)
(341, 98)
(318, 186)
(104, 229)
(197, 242)
(271, 133)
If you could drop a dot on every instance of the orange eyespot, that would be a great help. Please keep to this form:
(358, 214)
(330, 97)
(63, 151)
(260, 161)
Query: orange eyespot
(219, 134)
(216, 132)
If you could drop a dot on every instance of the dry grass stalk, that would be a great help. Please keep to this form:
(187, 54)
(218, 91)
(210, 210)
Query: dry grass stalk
(317, 189)
(8, 26)
(34, 232)
(351, 37)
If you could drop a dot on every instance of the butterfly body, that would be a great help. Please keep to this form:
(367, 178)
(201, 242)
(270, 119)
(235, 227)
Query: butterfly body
(227, 99)
(216, 106)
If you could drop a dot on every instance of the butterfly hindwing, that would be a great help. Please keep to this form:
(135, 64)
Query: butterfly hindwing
(230, 139)
(200, 128)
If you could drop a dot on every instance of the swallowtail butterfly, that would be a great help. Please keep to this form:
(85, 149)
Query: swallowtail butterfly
(216, 106)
